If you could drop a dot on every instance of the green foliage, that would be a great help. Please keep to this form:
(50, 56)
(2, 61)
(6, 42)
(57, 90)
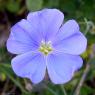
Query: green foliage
(91, 38)
(13, 6)
(34, 5)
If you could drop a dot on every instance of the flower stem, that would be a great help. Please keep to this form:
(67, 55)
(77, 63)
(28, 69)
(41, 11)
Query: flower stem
(49, 89)
(63, 89)
(77, 91)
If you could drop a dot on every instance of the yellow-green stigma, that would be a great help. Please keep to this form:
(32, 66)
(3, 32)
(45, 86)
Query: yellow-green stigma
(45, 48)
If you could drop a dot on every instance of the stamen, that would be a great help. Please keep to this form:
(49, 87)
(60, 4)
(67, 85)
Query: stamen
(45, 48)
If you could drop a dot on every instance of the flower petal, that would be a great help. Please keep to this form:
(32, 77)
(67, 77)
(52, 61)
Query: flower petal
(19, 41)
(75, 44)
(61, 67)
(30, 65)
(31, 30)
(48, 21)
(68, 29)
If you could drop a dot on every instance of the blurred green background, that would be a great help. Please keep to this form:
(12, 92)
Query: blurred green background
(83, 11)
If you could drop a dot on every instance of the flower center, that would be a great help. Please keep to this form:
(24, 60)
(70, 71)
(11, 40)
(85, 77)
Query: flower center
(45, 48)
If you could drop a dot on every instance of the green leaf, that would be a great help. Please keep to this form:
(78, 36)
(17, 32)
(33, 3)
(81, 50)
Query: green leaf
(34, 5)
(86, 90)
(51, 3)
(13, 6)
(91, 38)
(6, 69)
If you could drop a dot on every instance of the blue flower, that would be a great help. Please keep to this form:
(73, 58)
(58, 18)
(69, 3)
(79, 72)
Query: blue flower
(43, 41)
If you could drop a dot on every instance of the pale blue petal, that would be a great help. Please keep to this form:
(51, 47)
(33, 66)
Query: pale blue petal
(68, 29)
(31, 30)
(61, 67)
(75, 44)
(30, 65)
(20, 41)
(48, 21)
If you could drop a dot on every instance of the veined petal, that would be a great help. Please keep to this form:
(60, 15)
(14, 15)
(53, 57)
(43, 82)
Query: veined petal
(31, 30)
(48, 21)
(30, 65)
(61, 67)
(75, 44)
(20, 41)
(68, 29)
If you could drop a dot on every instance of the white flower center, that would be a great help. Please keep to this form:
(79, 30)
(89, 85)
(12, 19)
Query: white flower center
(45, 48)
